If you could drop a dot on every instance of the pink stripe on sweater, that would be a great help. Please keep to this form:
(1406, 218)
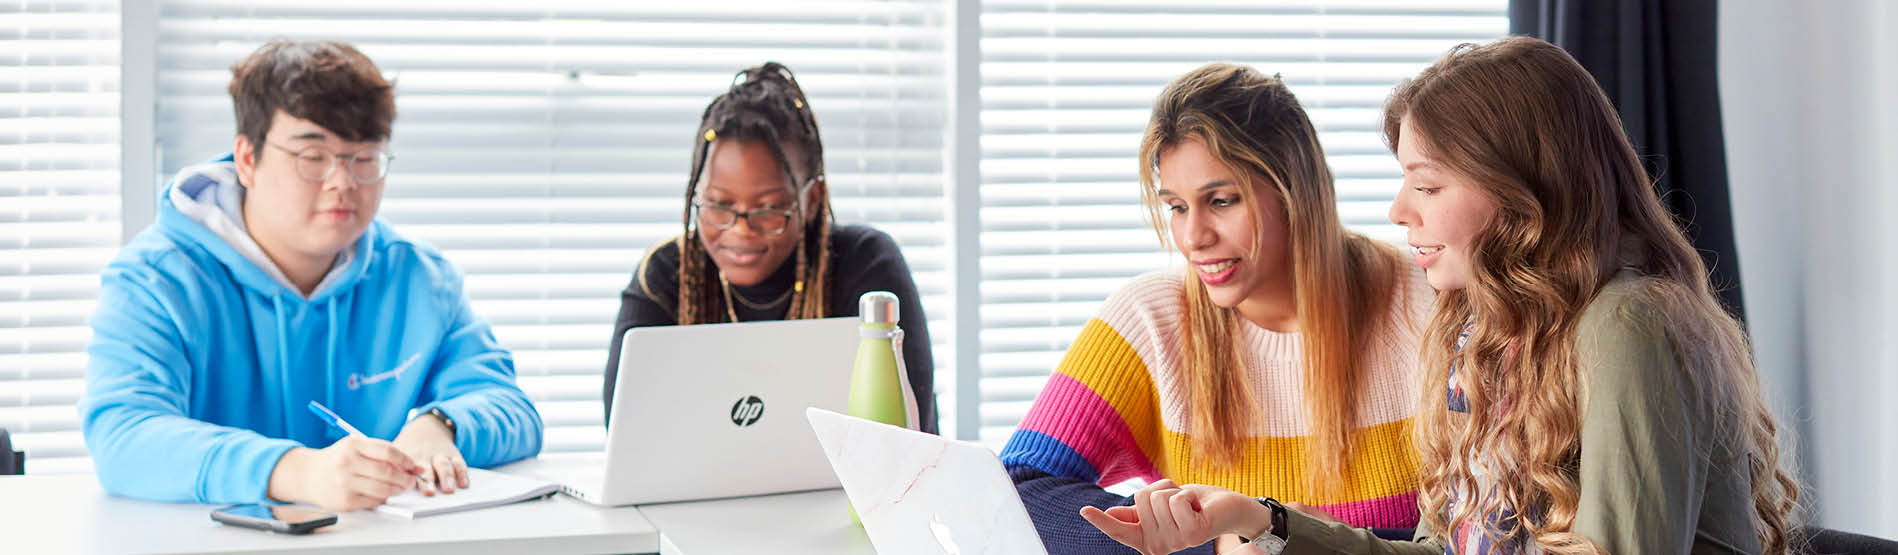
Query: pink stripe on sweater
(1396, 511)
(1076, 416)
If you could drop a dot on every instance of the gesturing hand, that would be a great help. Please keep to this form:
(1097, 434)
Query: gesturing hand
(1167, 518)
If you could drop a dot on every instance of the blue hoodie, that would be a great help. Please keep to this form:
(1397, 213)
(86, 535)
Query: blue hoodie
(203, 361)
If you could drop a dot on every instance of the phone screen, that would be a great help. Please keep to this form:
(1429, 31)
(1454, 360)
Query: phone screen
(277, 518)
(285, 513)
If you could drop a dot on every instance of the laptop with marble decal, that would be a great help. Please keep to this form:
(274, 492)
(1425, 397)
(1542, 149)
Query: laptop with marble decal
(921, 493)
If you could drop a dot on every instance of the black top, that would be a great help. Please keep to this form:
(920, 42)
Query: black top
(862, 260)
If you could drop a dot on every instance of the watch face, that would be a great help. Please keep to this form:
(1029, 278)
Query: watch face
(1271, 544)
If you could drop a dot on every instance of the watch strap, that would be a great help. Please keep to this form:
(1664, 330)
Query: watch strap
(443, 416)
(1273, 542)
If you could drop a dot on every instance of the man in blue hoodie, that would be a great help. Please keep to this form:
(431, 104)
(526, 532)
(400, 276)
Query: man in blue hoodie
(267, 283)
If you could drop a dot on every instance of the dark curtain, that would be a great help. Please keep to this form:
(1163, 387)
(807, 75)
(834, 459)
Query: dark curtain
(1656, 59)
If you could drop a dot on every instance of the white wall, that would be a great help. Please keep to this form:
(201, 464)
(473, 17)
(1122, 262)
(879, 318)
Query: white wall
(1810, 94)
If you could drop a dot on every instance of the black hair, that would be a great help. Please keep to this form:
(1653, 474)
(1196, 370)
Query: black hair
(327, 82)
(764, 104)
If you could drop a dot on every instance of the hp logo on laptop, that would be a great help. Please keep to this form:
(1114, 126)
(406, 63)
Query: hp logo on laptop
(747, 411)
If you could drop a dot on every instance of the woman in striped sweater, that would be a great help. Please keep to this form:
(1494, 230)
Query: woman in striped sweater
(1585, 393)
(1280, 362)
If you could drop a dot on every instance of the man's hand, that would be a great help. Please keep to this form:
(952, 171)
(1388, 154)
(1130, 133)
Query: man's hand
(432, 445)
(353, 473)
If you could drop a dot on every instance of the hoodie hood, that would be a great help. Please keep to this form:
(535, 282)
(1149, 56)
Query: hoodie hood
(206, 201)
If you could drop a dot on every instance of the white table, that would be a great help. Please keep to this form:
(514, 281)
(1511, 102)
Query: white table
(814, 522)
(71, 514)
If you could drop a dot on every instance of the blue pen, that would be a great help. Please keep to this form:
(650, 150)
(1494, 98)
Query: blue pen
(337, 421)
(334, 420)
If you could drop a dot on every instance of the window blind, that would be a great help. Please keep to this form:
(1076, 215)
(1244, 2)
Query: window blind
(59, 209)
(1066, 88)
(544, 146)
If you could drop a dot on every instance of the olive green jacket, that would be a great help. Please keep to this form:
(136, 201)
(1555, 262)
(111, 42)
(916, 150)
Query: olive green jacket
(1654, 477)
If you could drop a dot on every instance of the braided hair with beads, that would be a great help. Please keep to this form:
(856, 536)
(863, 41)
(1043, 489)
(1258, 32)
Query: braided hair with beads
(764, 104)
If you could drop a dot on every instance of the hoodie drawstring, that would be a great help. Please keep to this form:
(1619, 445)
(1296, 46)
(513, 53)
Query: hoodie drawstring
(284, 372)
(329, 356)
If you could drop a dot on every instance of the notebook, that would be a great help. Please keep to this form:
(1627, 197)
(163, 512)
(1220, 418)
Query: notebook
(486, 488)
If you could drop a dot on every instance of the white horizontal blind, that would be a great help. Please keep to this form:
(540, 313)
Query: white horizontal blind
(543, 146)
(1066, 90)
(59, 213)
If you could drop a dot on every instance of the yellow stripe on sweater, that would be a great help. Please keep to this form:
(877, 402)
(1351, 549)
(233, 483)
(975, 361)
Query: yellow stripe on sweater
(1382, 465)
(1105, 362)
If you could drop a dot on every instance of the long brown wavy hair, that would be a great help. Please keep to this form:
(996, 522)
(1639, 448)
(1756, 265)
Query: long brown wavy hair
(764, 104)
(1526, 124)
(1343, 282)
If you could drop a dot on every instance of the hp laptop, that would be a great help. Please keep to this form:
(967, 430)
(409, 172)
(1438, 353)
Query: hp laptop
(716, 410)
(920, 493)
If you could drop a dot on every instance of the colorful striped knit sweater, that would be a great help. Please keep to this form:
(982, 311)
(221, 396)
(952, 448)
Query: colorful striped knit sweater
(1116, 409)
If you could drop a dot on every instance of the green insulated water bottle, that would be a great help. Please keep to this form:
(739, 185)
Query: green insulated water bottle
(878, 388)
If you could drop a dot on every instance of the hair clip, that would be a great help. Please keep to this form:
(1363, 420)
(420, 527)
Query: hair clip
(799, 102)
(799, 286)
(711, 135)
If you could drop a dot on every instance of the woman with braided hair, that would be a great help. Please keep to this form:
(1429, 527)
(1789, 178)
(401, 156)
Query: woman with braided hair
(759, 240)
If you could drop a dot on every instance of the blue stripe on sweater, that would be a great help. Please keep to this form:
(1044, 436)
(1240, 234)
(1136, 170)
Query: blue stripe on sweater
(1047, 454)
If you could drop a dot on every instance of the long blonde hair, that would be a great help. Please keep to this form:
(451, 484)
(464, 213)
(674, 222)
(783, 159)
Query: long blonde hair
(1343, 281)
(1529, 126)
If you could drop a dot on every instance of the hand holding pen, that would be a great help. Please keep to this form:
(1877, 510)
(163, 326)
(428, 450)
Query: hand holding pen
(424, 480)
(356, 472)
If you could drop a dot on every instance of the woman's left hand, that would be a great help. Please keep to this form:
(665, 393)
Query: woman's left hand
(1167, 518)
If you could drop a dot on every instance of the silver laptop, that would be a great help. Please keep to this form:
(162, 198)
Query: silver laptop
(716, 410)
(921, 493)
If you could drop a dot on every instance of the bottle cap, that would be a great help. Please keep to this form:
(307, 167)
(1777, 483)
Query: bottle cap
(878, 307)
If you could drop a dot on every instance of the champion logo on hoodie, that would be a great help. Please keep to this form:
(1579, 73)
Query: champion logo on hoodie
(357, 380)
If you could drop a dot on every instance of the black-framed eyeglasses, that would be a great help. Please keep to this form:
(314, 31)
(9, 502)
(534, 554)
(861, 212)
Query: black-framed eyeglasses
(365, 167)
(766, 221)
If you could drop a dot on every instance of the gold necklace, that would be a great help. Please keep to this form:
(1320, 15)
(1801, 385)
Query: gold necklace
(730, 296)
(758, 306)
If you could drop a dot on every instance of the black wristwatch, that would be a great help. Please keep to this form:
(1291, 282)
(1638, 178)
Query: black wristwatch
(446, 421)
(1273, 542)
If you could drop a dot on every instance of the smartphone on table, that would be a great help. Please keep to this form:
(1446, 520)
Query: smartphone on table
(282, 519)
